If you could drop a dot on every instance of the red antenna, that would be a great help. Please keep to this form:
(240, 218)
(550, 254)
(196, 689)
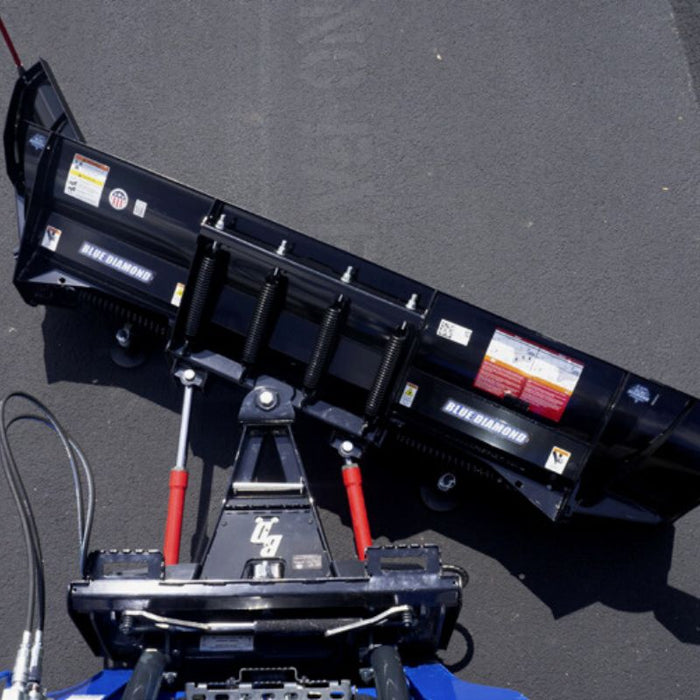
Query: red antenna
(11, 47)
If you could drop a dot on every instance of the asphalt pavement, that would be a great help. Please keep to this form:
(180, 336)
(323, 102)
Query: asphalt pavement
(541, 160)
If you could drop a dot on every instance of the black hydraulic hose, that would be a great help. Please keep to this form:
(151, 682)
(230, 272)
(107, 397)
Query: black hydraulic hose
(147, 676)
(389, 676)
(85, 520)
(74, 468)
(90, 513)
(28, 523)
(36, 605)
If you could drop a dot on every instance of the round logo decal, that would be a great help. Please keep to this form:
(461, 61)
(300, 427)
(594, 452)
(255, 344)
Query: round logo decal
(118, 199)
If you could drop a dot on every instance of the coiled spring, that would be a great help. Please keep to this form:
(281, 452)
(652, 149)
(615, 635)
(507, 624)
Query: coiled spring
(259, 327)
(123, 312)
(200, 295)
(446, 458)
(325, 343)
(385, 373)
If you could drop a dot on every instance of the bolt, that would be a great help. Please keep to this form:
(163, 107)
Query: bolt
(412, 303)
(346, 448)
(189, 375)
(367, 675)
(267, 399)
(126, 624)
(123, 336)
(283, 247)
(169, 677)
(348, 274)
(447, 482)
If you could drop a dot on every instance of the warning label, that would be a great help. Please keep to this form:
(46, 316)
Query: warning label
(179, 290)
(86, 180)
(51, 237)
(541, 378)
(454, 332)
(557, 460)
(409, 394)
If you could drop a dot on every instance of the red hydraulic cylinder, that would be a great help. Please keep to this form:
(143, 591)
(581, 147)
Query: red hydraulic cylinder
(352, 478)
(178, 477)
(173, 524)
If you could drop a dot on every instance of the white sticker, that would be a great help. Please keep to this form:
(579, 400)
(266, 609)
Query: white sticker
(454, 332)
(307, 561)
(409, 393)
(140, 208)
(119, 199)
(225, 642)
(86, 180)
(176, 299)
(557, 460)
(51, 238)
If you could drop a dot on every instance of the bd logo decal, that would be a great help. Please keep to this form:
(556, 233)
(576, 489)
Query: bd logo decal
(261, 535)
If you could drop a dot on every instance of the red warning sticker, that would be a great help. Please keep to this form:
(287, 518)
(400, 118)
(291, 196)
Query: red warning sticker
(542, 378)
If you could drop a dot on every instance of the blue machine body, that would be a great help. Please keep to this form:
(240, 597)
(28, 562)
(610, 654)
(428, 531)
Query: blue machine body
(426, 682)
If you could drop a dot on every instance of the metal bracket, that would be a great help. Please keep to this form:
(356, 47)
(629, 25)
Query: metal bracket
(269, 527)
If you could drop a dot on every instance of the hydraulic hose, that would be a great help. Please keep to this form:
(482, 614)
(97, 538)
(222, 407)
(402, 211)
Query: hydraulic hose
(147, 676)
(389, 676)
